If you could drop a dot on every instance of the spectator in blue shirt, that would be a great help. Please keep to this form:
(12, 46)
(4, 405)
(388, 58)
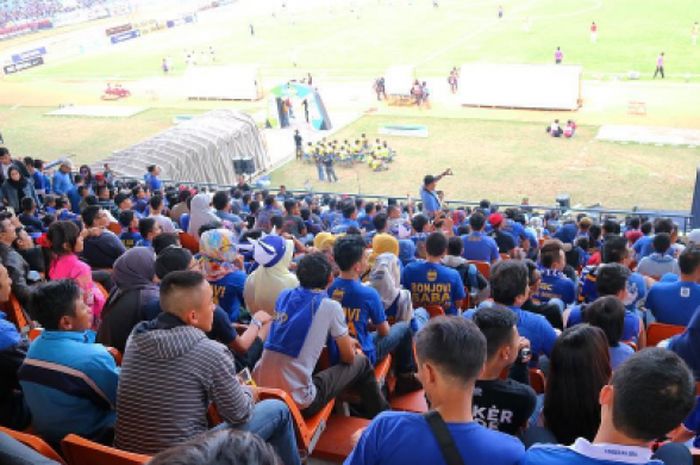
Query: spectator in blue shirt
(365, 219)
(349, 219)
(614, 250)
(555, 284)
(451, 353)
(428, 194)
(477, 245)
(222, 204)
(509, 287)
(647, 236)
(648, 396)
(675, 302)
(153, 183)
(608, 314)
(646, 248)
(149, 229)
(70, 382)
(62, 179)
(612, 280)
(431, 282)
(130, 229)
(362, 305)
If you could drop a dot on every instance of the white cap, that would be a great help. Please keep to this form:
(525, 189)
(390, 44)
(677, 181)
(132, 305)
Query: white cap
(694, 236)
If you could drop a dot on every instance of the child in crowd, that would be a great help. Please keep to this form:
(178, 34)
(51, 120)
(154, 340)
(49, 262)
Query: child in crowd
(130, 227)
(148, 230)
(66, 241)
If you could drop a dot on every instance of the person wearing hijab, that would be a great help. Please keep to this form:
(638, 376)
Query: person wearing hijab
(133, 275)
(201, 213)
(273, 254)
(221, 265)
(15, 188)
(407, 251)
(385, 277)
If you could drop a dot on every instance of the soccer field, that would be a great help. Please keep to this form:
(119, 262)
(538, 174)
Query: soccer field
(361, 38)
(345, 44)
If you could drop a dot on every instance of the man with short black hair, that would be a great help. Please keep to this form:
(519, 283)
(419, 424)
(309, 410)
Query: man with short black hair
(555, 284)
(450, 354)
(149, 229)
(509, 287)
(648, 396)
(430, 199)
(102, 247)
(293, 223)
(349, 219)
(675, 303)
(171, 357)
(477, 245)
(305, 319)
(222, 204)
(156, 212)
(503, 404)
(265, 214)
(69, 382)
(363, 305)
(431, 282)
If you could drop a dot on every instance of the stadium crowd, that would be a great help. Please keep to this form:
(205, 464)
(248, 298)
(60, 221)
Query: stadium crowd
(152, 317)
(22, 10)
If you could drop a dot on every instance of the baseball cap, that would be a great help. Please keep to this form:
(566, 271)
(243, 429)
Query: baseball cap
(495, 219)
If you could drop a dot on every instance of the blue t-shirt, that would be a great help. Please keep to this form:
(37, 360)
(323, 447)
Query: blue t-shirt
(619, 354)
(555, 285)
(228, 293)
(361, 304)
(550, 454)
(642, 244)
(344, 225)
(433, 283)
(479, 246)
(692, 422)
(406, 439)
(153, 183)
(630, 332)
(534, 327)
(636, 288)
(673, 303)
(430, 200)
(130, 239)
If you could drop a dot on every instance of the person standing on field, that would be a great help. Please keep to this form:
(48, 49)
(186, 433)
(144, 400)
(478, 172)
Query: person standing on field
(659, 65)
(594, 32)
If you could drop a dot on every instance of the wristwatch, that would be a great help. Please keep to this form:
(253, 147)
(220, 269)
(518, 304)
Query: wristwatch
(257, 323)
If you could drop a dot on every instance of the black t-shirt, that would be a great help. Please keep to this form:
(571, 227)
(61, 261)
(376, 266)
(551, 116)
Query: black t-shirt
(294, 225)
(297, 140)
(503, 405)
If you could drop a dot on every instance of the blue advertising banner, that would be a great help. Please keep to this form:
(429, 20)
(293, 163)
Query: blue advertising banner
(124, 36)
(28, 55)
(21, 66)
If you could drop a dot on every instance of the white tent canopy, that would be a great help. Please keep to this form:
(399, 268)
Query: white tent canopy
(202, 149)
(398, 80)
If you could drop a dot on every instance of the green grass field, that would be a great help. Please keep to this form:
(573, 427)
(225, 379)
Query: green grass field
(510, 160)
(501, 154)
(380, 33)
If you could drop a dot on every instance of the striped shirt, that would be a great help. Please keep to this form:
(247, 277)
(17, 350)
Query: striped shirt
(168, 379)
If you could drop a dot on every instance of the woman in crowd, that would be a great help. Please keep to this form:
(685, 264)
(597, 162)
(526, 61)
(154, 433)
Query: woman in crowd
(201, 214)
(134, 290)
(579, 368)
(66, 242)
(15, 188)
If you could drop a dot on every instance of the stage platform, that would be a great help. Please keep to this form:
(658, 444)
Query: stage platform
(98, 111)
(657, 135)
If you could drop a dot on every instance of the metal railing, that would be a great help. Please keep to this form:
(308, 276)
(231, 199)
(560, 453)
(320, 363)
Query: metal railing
(682, 219)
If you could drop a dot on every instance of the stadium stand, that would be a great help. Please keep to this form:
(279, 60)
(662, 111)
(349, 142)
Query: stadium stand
(243, 288)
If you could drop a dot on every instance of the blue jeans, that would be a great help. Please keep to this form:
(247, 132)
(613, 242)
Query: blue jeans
(321, 172)
(272, 421)
(398, 342)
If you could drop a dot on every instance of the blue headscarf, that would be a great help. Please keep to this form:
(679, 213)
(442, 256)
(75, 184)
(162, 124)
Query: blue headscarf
(407, 251)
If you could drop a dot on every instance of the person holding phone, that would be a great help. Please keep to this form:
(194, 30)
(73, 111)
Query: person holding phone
(428, 194)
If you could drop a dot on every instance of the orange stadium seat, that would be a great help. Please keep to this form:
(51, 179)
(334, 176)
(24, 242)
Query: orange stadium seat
(483, 267)
(80, 451)
(116, 228)
(16, 314)
(308, 430)
(435, 310)
(34, 442)
(337, 441)
(116, 354)
(189, 242)
(537, 380)
(657, 332)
